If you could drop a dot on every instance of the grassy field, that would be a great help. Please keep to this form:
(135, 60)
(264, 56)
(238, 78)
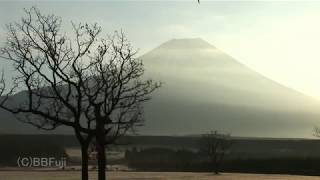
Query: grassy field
(74, 175)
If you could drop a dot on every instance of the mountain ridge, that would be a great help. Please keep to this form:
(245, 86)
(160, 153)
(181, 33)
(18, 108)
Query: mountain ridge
(186, 43)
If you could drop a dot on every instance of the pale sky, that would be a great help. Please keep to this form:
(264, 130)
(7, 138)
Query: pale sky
(280, 40)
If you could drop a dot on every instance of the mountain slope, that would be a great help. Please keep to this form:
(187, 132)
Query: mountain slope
(205, 89)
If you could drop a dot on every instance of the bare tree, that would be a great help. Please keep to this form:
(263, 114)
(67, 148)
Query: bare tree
(316, 131)
(215, 145)
(91, 84)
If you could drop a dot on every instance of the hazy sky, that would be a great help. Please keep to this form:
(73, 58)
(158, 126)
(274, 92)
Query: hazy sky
(280, 40)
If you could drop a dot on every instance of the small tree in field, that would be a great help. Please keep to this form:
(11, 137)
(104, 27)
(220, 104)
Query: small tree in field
(316, 131)
(90, 84)
(215, 145)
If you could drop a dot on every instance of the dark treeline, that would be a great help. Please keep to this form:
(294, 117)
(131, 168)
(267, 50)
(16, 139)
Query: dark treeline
(252, 147)
(30, 139)
(163, 159)
(166, 153)
(14, 146)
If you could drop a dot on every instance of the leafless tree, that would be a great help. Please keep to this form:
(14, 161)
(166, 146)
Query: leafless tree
(316, 131)
(77, 79)
(215, 145)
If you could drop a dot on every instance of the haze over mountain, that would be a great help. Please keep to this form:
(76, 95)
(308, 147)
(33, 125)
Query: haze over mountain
(205, 89)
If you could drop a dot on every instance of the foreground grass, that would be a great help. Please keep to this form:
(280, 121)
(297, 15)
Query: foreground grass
(75, 175)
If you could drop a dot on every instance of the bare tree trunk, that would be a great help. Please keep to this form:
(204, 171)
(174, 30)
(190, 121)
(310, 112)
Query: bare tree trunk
(84, 162)
(214, 163)
(101, 160)
(84, 143)
(216, 168)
